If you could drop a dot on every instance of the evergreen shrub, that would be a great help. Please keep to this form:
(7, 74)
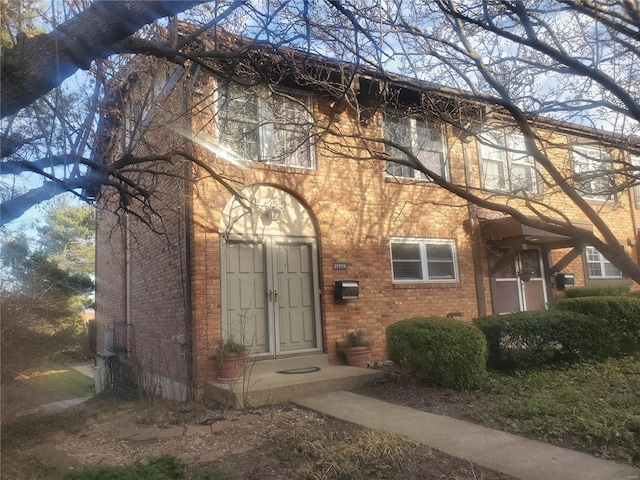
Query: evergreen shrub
(532, 339)
(439, 351)
(620, 314)
(610, 291)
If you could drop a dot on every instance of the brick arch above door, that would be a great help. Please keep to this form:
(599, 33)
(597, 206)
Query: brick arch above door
(266, 210)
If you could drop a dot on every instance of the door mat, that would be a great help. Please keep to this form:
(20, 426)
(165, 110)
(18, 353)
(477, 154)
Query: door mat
(294, 371)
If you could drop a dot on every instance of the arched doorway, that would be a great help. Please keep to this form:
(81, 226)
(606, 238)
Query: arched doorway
(270, 283)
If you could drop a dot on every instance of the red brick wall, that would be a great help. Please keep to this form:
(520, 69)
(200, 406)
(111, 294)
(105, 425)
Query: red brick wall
(357, 210)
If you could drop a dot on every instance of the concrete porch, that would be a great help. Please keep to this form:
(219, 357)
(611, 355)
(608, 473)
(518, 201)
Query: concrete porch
(304, 376)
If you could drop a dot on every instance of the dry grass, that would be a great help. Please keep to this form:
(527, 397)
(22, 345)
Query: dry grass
(351, 454)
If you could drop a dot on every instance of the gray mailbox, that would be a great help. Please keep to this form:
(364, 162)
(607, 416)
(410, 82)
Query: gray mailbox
(347, 290)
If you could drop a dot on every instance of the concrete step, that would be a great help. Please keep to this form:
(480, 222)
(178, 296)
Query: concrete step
(254, 390)
(261, 367)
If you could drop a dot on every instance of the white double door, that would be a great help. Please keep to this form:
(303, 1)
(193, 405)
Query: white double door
(272, 294)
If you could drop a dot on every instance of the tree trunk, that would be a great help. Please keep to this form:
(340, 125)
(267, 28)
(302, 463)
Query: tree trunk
(36, 65)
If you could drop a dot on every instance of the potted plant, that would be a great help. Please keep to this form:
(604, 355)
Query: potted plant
(356, 349)
(232, 357)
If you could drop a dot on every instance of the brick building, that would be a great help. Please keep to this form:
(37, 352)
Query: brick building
(301, 201)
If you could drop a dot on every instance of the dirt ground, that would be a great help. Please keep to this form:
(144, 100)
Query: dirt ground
(276, 442)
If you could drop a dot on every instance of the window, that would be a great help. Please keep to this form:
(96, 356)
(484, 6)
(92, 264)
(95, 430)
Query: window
(591, 166)
(270, 127)
(506, 165)
(424, 141)
(600, 267)
(429, 260)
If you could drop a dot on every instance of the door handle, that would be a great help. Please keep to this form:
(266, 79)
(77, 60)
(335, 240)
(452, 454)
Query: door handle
(275, 296)
(270, 295)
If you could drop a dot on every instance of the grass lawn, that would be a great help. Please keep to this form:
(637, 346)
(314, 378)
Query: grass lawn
(592, 406)
(58, 383)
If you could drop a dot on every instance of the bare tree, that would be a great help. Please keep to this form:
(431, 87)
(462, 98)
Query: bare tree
(530, 67)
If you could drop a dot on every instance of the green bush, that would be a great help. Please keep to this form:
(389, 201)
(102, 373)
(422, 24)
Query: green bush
(524, 340)
(166, 467)
(440, 351)
(620, 314)
(610, 291)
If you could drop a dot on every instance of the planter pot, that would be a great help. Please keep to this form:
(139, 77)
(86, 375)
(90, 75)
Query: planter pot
(231, 367)
(357, 356)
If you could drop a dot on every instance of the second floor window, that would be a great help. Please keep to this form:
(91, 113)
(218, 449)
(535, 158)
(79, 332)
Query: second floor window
(592, 167)
(270, 127)
(425, 141)
(506, 165)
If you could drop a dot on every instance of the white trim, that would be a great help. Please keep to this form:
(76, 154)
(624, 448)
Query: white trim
(602, 262)
(591, 158)
(265, 126)
(502, 142)
(424, 261)
(414, 147)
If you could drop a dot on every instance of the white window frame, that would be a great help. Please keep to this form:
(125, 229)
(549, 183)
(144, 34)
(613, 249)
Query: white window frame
(423, 244)
(508, 152)
(268, 128)
(404, 171)
(593, 256)
(589, 159)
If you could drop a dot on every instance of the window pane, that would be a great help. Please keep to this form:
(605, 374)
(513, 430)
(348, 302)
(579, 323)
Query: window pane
(291, 133)
(398, 131)
(405, 251)
(494, 178)
(238, 122)
(590, 166)
(407, 263)
(407, 271)
(423, 140)
(430, 150)
(611, 271)
(440, 261)
(439, 252)
(593, 255)
(433, 161)
(523, 177)
(595, 269)
(440, 270)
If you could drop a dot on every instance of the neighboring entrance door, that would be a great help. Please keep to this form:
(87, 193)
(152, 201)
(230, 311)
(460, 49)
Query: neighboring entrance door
(270, 294)
(511, 293)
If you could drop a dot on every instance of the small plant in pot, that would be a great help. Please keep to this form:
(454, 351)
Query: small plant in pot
(356, 349)
(232, 358)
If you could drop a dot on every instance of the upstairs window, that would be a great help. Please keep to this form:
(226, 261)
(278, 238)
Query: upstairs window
(269, 127)
(424, 140)
(600, 267)
(506, 165)
(424, 260)
(593, 167)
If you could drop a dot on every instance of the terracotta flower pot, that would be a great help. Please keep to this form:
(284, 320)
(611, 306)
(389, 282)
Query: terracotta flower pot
(357, 356)
(231, 366)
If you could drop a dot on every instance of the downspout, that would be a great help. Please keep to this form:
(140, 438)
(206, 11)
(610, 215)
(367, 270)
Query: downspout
(187, 212)
(634, 221)
(474, 233)
(127, 286)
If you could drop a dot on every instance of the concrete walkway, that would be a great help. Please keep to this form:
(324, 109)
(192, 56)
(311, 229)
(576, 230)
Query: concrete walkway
(517, 456)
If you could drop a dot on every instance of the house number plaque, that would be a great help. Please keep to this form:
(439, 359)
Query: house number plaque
(340, 266)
